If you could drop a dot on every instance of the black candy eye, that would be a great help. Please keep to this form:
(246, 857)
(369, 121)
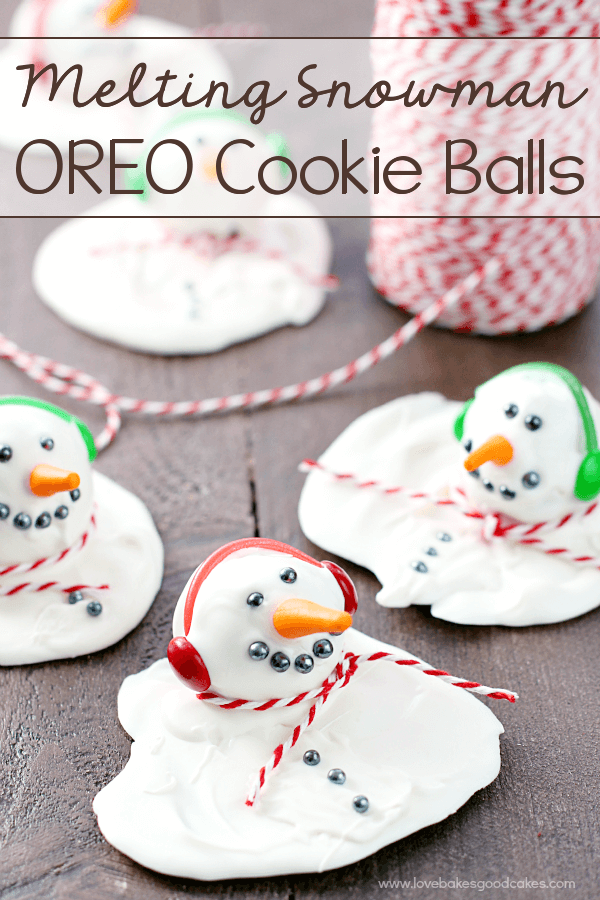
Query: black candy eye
(47, 443)
(258, 650)
(22, 521)
(531, 479)
(5, 454)
(280, 662)
(288, 575)
(255, 599)
(468, 445)
(506, 492)
(533, 423)
(323, 648)
(511, 410)
(304, 663)
(75, 495)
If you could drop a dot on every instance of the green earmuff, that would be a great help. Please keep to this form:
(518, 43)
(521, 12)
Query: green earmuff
(85, 432)
(587, 483)
(459, 422)
(135, 179)
(278, 144)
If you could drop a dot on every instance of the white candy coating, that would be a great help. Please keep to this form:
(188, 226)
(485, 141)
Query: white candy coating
(123, 550)
(410, 442)
(415, 747)
(160, 297)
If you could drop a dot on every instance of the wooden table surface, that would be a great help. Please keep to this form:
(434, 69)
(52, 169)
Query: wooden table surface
(208, 482)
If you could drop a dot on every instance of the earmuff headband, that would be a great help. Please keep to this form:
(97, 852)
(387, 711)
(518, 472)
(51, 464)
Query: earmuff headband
(587, 484)
(136, 178)
(204, 570)
(85, 432)
(576, 388)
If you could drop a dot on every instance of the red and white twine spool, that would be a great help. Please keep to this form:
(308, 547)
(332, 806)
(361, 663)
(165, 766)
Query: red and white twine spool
(67, 381)
(30, 587)
(339, 678)
(551, 265)
(494, 525)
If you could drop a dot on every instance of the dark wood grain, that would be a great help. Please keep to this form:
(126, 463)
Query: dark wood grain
(212, 481)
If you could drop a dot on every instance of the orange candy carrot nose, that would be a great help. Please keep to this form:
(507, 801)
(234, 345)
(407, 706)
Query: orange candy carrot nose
(209, 167)
(45, 481)
(497, 450)
(294, 618)
(116, 12)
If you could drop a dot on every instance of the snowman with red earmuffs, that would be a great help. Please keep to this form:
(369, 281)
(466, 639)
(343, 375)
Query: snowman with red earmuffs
(241, 766)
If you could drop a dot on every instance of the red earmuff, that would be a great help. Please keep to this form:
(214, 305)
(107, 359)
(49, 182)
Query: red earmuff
(346, 585)
(188, 665)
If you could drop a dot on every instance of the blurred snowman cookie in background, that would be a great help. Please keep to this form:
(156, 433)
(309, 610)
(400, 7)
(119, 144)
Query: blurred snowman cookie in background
(80, 558)
(223, 273)
(36, 28)
(486, 512)
(277, 739)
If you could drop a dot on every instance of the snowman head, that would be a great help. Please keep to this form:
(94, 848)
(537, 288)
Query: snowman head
(86, 18)
(205, 133)
(46, 497)
(531, 445)
(259, 619)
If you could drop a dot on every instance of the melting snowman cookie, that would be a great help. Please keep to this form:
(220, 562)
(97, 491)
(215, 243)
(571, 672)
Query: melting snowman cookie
(276, 739)
(485, 511)
(224, 272)
(80, 558)
(36, 28)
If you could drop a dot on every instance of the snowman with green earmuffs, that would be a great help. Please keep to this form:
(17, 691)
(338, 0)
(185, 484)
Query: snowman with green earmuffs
(80, 558)
(508, 532)
(182, 265)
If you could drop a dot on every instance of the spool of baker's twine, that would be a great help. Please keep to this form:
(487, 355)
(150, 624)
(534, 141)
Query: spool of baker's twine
(551, 264)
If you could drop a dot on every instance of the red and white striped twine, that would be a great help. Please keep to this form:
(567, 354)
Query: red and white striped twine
(211, 246)
(493, 524)
(339, 678)
(554, 261)
(22, 568)
(33, 587)
(67, 381)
